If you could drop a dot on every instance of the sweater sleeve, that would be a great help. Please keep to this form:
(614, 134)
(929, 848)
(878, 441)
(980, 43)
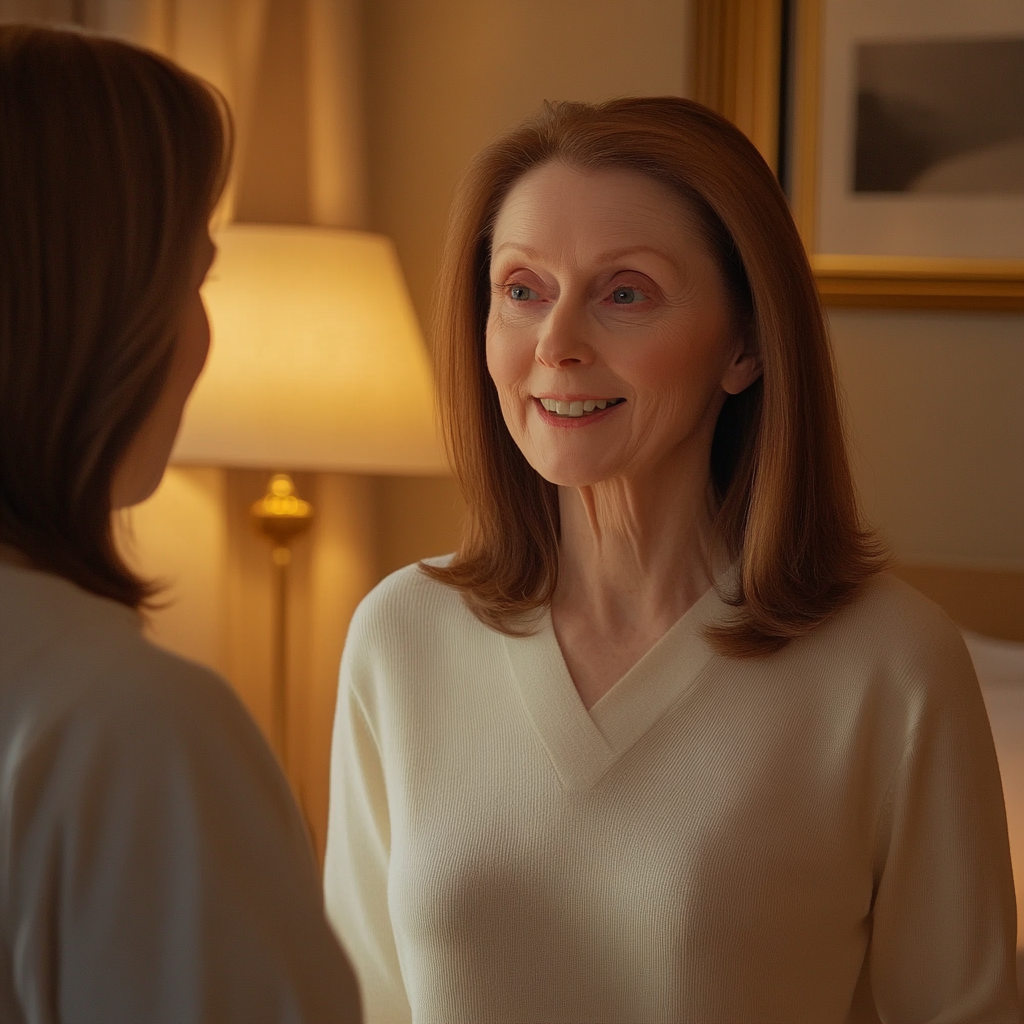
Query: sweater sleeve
(157, 868)
(359, 840)
(943, 935)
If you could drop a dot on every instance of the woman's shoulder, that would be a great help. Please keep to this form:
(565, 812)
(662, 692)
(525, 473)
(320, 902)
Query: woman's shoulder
(39, 610)
(73, 663)
(891, 630)
(136, 772)
(890, 609)
(409, 599)
(57, 640)
(93, 714)
(413, 626)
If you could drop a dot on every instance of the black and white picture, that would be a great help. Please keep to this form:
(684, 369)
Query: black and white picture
(919, 146)
(940, 116)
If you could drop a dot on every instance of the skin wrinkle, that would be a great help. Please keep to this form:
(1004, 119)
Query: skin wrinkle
(634, 485)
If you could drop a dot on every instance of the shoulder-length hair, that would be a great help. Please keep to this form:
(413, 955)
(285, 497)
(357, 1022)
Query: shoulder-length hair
(785, 508)
(111, 161)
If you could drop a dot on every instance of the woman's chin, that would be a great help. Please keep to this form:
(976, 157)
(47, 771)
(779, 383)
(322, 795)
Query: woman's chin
(575, 473)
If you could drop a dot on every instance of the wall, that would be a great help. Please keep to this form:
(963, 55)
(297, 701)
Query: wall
(938, 425)
(935, 404)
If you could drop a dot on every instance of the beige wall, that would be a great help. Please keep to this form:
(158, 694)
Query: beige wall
(936, 409)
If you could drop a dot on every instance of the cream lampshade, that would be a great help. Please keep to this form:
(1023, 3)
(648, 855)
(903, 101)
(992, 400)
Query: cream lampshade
(317, 361)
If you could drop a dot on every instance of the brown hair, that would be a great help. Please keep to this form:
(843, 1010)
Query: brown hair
(786, 508)
(111, 161)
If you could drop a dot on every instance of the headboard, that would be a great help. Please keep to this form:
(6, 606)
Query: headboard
(986, 601)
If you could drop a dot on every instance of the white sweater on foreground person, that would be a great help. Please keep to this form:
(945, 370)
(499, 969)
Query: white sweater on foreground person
(816, 836)
(153, 866)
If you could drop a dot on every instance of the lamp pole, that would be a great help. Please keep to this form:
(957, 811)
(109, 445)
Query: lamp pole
(281, 516)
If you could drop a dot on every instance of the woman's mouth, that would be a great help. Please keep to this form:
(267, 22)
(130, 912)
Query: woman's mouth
(578, 409)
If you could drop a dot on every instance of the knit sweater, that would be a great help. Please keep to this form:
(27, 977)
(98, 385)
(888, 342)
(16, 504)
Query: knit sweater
(813, 836)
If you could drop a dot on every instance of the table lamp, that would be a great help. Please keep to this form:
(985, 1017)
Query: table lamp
(316, 363)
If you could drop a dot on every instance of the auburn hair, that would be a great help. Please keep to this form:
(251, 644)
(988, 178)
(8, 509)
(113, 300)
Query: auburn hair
(111, 161)
(785, 506)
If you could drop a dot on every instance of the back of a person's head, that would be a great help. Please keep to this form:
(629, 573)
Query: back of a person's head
(111, 159)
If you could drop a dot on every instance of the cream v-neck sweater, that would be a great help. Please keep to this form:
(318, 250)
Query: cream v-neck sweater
(816, 836)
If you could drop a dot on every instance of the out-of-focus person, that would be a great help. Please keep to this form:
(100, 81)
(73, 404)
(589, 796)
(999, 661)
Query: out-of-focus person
(154, 868)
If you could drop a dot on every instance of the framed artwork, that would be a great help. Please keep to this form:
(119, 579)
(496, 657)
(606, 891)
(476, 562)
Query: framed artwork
(897, 128)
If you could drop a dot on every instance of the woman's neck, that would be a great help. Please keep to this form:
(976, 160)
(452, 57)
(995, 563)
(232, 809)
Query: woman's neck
(635, 553)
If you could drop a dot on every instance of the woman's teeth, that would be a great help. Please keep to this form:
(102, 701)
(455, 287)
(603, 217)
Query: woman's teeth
(576, 409)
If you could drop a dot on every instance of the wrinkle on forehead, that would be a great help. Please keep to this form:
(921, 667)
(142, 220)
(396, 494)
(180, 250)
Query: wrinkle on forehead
(546, 204)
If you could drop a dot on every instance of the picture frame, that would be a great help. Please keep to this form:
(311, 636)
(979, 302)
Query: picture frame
(760, 63)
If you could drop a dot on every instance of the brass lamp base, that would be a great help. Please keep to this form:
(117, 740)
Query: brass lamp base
(281, 516)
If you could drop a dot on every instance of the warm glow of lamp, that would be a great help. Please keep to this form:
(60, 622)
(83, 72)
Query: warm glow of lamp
(317, 361)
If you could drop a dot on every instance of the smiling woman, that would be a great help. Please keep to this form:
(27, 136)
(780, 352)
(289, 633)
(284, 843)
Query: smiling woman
(694, 219)
(603, 290)
(660, 741)
(594, 313)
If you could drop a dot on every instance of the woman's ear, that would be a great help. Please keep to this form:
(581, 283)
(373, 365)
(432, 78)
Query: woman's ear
(744, 367)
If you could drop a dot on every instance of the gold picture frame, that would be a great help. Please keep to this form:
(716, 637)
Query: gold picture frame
(737, 61)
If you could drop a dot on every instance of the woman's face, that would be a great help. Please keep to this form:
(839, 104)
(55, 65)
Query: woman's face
(143, 465)
(610, 338)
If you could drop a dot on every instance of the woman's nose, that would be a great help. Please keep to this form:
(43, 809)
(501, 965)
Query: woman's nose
(562, 341)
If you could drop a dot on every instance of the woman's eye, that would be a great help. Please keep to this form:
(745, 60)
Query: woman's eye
(626, 296)
(520, 293)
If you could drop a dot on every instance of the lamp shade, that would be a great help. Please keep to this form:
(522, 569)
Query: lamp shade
(316, 359)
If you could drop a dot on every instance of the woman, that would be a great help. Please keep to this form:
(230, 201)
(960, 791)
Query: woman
(153, 866)
(660, 742)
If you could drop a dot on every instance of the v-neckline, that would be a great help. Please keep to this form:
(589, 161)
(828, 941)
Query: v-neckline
(583, 745)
